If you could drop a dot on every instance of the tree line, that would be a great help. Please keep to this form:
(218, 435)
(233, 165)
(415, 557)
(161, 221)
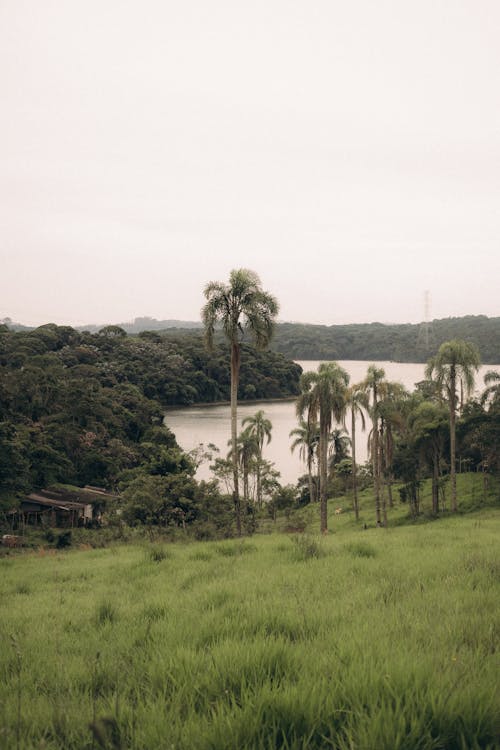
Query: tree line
(413, 436)
(80, 408)
(390, 342)
(356, 341)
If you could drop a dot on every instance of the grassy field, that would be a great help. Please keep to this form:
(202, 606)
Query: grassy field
(377, 639)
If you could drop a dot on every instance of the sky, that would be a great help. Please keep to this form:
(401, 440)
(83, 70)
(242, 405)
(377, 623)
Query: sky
(348, 152)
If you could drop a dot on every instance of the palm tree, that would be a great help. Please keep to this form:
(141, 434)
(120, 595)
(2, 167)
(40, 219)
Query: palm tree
(357, 403)
(491, 394)
(323, 398)
(428, 428)
(247, 450)
(306, 440)
(239, 306)
(455, 363)
(259, 427)
(338, 448)
(391, 415)
(371, 385)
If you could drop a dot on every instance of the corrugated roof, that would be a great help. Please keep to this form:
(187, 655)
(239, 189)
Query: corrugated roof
(61, 504)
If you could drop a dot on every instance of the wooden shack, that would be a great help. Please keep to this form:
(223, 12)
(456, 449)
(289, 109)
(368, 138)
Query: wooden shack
(38, 510)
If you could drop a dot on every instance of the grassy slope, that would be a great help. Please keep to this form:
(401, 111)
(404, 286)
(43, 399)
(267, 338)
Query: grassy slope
(376, 639)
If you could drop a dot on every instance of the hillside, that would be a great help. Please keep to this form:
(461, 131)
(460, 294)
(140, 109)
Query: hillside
(378, 341)
(399, 342)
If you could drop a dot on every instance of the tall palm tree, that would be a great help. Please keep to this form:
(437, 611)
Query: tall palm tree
(323, 399)
(239, 306)
(357, 404)
(306, 440)
(259, 427)
(455, 363)
(371, 384)
(391, 416)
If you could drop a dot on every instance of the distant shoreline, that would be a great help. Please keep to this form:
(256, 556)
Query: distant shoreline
(202, 404)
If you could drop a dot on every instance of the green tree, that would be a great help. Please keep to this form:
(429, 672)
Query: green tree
(357, 404)
(248, 450)
(391, 420)
(371, 384)
(428, 425)
(338, 448)
(323, 398)
(453, 365)
(306, 440)
(239, 306)
(259, 428)
(491, 394)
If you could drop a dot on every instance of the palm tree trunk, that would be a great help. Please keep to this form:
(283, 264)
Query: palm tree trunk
(235, 372)
(318, 479)
(453, 475)
(384, 506)
(435, 482)
(376, 472)
(245, 484)
(323, 449)
(309, 473)
(354, 467)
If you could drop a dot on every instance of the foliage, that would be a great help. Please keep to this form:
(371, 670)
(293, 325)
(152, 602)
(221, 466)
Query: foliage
(323, 400)
(454, 365)
(84, 408)
(378, 341)
(239, 307)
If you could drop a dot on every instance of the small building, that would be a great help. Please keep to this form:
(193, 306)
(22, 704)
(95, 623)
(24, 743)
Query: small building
(38, 510)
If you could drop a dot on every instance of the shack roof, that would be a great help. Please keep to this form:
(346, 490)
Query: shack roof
(35, 499)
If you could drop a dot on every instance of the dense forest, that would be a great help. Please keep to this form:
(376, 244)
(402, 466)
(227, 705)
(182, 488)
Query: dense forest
(376, 341)
(363, 341)
(84, 408)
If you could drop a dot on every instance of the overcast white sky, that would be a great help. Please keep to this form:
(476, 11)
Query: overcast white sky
(348, 152)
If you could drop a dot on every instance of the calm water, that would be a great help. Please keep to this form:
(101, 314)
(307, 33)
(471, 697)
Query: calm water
(210, 424)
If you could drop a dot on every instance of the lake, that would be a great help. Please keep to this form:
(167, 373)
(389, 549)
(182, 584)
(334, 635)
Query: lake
(211, 423)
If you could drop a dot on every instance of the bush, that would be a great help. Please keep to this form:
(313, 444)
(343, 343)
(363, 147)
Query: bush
(158, 554)
(306, 548)
(64, 540)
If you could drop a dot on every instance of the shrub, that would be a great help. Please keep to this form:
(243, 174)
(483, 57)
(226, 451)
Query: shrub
(158, 554)
(64, 540)
(306, 548)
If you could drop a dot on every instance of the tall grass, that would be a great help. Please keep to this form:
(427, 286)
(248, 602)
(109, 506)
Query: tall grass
(384, 639)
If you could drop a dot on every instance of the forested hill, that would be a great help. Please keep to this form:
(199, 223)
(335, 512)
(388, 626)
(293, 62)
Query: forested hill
(365, 341)
(173, 370)
(85, 408)
(376, 341)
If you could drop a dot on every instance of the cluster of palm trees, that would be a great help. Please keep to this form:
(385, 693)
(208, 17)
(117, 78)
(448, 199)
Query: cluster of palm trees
(397, 418)
(421, 421)
(250, 442)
